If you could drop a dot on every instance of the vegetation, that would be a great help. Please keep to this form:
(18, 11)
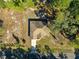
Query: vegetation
(18, 5)
(1, 31)
(63, 16)
(2, 4)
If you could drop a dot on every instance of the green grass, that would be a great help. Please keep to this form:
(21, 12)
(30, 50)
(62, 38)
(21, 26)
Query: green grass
(14, 46)
(28, 4)
(54, 48)
(1, 31)
(21, 6)
(46, 41)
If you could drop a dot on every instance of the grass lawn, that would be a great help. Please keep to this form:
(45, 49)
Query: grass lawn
(53, 47)
(21, 6)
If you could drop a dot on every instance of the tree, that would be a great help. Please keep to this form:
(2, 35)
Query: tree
(62, 14)
(16, 2)
(74, 7)
(19, 2)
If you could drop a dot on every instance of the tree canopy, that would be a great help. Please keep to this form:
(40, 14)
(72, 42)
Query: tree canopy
(62, 14)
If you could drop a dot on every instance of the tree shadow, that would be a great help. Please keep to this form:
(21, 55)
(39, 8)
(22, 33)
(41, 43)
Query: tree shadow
(50, 55)
(76, 53)
(16, 38)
